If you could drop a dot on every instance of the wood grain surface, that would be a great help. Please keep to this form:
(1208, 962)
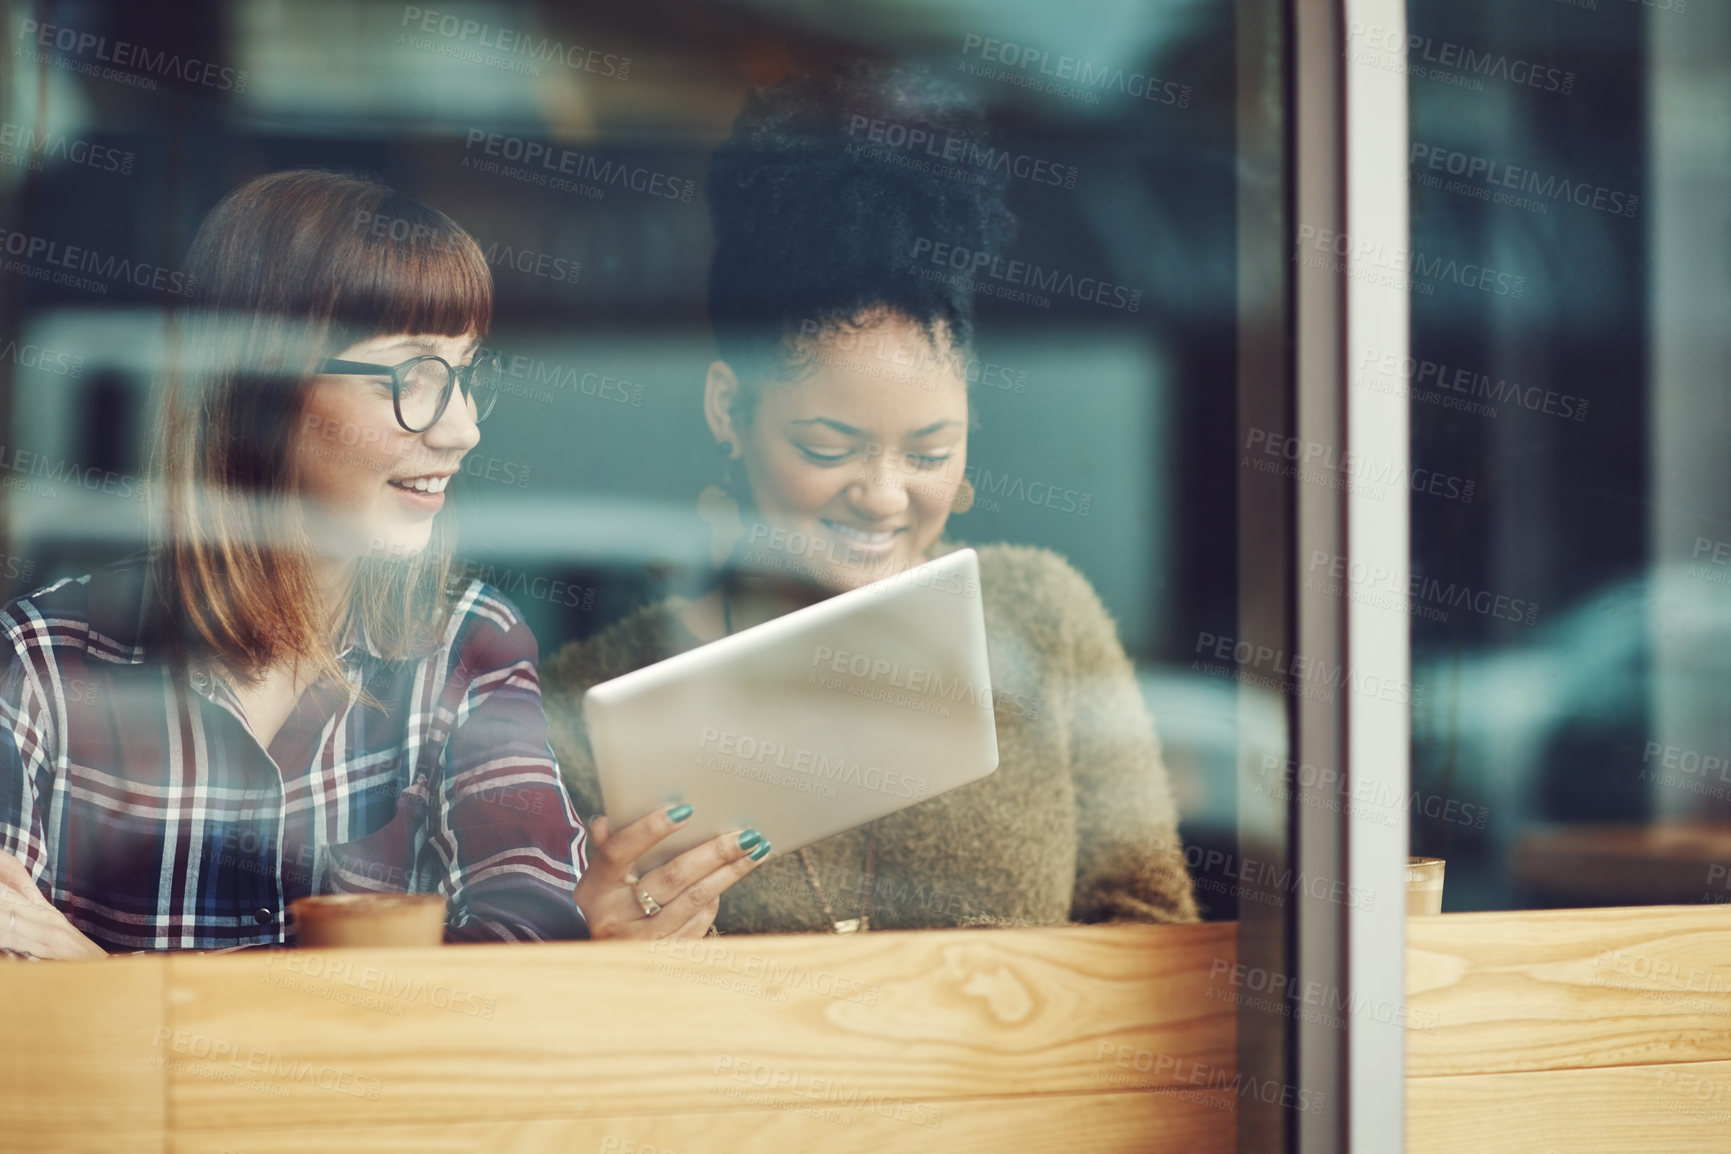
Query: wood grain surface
(81, 1068)
(867, 1024)
(1565, 989)
(1575, 1031)
(1197, 1122)
(1673, 1109)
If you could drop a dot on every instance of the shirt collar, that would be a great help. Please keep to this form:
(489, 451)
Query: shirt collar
(356, 637)
(118, 597)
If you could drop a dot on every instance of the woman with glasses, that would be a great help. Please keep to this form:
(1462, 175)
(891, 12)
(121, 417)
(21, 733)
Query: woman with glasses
(289, 693)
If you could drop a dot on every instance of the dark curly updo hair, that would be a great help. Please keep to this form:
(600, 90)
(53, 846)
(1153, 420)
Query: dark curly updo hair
(818, 198)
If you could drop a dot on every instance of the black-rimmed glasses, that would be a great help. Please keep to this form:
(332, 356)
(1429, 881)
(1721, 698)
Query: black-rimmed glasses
(421, 387)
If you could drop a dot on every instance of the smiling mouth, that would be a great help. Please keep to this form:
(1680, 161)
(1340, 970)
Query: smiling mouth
(862, 537)
(429, 484)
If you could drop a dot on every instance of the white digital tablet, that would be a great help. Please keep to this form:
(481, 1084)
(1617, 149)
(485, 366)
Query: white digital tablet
(813, 723)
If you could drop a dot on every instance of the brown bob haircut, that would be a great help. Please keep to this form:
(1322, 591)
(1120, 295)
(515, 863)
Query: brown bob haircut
(290, 269)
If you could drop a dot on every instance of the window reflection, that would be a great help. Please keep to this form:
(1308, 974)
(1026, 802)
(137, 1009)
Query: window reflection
(1052, 309)
(1568, 629)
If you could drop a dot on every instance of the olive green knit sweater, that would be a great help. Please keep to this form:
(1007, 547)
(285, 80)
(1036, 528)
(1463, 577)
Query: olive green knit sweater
(1077, 824)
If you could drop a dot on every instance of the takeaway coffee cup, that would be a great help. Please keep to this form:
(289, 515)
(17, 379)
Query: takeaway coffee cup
(337, 920)
(1424, 885)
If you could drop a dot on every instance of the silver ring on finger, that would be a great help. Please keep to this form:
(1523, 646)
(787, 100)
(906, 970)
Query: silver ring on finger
(651, 907)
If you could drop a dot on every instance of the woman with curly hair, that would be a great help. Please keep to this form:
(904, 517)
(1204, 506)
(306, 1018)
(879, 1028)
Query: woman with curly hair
(839, 403)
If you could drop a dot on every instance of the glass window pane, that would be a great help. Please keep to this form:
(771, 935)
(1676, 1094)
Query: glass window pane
(787, 298)
(1568, 601)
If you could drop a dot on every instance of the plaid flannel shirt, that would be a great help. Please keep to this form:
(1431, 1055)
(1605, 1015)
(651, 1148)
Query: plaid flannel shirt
(149, 814)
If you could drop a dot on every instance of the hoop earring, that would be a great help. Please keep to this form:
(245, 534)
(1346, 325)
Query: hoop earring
(964, 499)
(720, 509)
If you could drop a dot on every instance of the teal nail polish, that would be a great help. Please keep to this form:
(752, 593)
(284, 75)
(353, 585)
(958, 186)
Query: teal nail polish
(749, 838)
(758, 853)
(679, 813)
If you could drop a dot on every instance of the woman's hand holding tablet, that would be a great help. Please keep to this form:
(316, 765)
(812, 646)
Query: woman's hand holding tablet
(678, 899)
